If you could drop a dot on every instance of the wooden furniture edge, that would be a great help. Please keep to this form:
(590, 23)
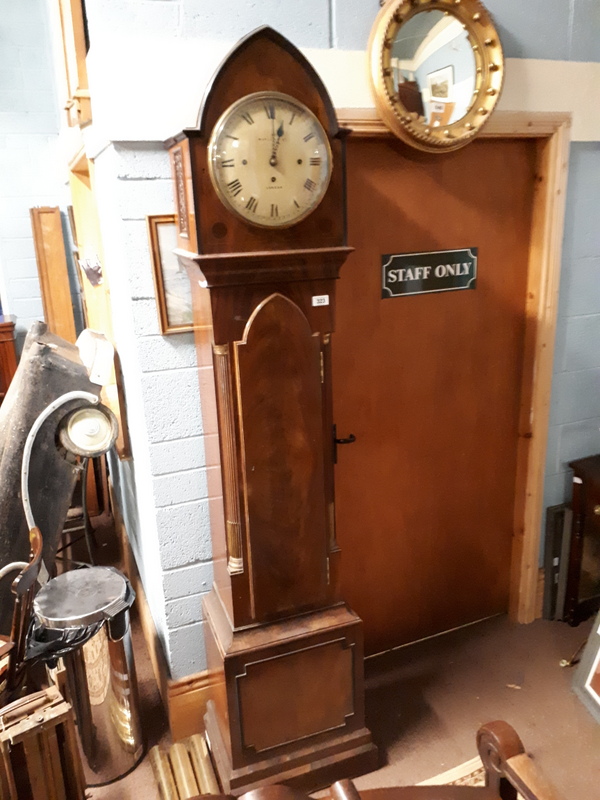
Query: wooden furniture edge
(540, 328)
(8, 354)
(539, 596)
(365, 122)
(72, 36)
(53, 271)
(553, 131)
(525, 776)
(509, 769)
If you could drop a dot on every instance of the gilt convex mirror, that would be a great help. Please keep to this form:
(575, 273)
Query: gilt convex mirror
(436, 70)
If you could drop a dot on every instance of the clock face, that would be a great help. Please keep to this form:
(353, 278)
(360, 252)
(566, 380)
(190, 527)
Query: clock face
(270, 160)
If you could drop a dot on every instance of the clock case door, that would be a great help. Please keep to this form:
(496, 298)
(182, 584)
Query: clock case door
(264, 304)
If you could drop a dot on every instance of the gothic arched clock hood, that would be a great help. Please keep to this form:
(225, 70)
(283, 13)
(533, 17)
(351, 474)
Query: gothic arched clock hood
(252, 47)
(264, 61)
(261, 210)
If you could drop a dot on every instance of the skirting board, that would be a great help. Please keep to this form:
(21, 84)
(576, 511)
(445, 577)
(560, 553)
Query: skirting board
(185, 699)
(539, 598)
(186, 703)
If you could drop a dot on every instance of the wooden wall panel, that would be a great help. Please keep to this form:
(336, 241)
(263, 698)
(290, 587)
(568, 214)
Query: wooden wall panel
(52, 269)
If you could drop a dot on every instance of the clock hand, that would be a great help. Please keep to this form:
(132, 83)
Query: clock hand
(273, 159)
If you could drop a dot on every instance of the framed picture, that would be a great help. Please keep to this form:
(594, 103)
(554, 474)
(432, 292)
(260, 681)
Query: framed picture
(441, 85)
(586, 682)
(173, 291)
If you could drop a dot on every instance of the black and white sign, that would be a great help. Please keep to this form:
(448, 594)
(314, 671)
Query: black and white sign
(438, 271)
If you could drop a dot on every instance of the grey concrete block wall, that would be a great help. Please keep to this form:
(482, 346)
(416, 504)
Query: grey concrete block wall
(575, 408)
(29, 159)
(307, 23)
(547, 29)
(166, 376)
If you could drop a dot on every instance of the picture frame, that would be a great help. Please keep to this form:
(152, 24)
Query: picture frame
(440, 84)
(586, 681)
(173, 290)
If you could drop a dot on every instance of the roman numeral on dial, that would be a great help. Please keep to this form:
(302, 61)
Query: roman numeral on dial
(247, 117)
(309, 136)
(310, 185)
(274, 210)
(235, 187)
(252, 204)
(270, 111)
(227, 162)
(315, 162)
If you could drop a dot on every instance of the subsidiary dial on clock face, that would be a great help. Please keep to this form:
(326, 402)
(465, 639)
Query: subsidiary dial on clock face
(270, 160)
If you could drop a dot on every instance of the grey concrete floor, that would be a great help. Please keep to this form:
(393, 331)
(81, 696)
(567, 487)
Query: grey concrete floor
(426, 701)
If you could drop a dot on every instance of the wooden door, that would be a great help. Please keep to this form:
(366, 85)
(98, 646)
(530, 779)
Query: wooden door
(431, 387)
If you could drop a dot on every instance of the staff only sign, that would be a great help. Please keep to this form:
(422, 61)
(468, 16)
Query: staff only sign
(438, 271)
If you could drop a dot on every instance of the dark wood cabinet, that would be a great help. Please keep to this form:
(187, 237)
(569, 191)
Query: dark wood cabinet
(8, 357)
(583, 580)
(284, 651)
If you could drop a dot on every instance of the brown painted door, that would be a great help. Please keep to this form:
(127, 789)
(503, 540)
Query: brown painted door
(430, 385)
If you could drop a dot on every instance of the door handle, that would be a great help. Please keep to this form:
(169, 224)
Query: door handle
(351, 438)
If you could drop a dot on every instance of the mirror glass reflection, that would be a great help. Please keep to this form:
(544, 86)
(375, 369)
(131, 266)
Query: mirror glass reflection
(434, 67)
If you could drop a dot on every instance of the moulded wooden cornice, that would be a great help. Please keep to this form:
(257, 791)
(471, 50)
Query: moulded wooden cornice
(234, 269)
(526, 124)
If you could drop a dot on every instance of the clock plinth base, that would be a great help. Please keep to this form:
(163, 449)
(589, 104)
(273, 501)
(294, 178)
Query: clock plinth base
(288, 700)
(305, 769)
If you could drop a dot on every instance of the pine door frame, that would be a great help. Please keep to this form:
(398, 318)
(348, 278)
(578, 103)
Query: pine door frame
(552, 132)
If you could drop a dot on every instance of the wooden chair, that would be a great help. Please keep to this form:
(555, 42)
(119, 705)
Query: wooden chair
(510, 774)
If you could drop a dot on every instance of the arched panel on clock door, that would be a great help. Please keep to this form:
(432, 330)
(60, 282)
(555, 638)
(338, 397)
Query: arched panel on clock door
(280, 408)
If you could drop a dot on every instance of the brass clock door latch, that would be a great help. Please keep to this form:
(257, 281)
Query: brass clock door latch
(351, 438)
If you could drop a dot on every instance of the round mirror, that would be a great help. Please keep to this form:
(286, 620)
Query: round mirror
(436, 70)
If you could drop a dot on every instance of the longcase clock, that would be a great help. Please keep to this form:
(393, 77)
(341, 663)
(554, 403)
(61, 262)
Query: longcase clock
(261, 210)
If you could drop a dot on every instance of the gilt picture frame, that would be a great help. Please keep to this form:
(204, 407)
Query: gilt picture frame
(441, 85)
(173, 290)
(586, 682)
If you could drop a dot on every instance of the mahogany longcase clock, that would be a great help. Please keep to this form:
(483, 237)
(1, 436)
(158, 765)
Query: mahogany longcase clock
(261, 210)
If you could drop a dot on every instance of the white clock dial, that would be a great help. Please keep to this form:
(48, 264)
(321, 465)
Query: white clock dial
(270, 160)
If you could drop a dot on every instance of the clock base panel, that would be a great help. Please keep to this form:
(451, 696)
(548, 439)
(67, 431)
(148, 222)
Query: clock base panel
(287, 701)
(306, 769)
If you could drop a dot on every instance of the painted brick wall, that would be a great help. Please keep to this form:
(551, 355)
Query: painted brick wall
(560, 30)
(29, 157)
(575, 410)
(166, 495)
(565, 30)
(307, 22)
